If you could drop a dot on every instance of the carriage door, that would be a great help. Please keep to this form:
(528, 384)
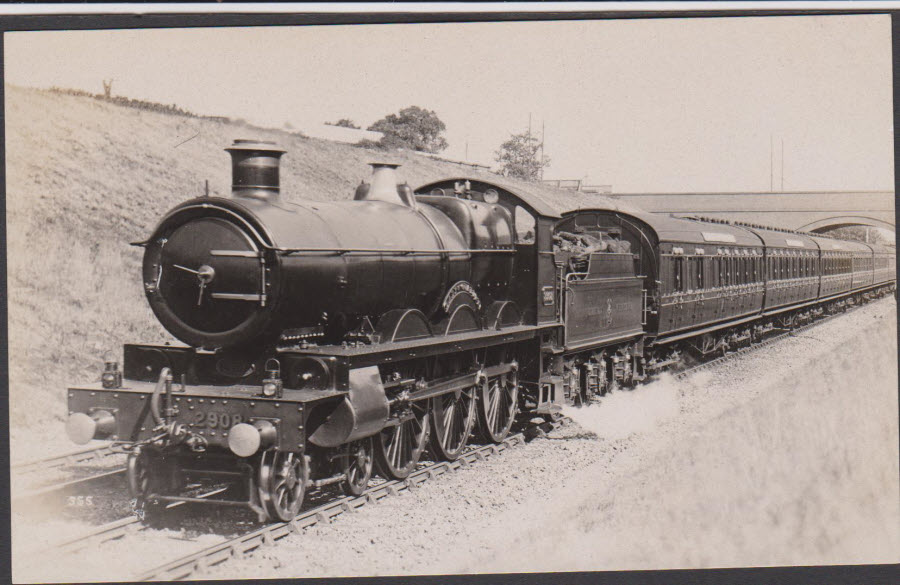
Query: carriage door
(679, 286)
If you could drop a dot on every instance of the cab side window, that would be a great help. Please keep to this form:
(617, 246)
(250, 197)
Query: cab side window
(524, 226)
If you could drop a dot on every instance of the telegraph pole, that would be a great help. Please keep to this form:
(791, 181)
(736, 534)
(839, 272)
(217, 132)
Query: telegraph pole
(782, 165)
(771, 163)
(542, 150)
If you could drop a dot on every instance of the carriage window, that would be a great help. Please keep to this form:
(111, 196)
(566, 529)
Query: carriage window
(694, 282)
(678, 280)
(700, 265)
(524, 226)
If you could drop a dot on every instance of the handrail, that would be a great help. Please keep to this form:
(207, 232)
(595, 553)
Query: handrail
(343, 251)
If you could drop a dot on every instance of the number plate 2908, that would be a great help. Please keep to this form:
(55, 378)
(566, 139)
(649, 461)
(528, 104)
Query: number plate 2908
(216, 420)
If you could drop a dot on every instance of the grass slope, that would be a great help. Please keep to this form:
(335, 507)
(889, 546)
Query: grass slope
(85, 177)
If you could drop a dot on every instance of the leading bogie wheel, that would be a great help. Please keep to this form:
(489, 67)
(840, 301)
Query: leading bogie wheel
(147, 477)
(399, 447)
(357, 462)
(282, 483)
(497, 404)
(452, 419)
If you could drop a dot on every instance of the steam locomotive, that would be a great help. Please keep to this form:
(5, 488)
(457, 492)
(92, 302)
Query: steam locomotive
(325, 340)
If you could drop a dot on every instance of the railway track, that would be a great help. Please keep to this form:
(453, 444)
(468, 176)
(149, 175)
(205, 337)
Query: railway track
(94, 454)
(196, 563)
(65, 486)
(35, 480)
(116, 529)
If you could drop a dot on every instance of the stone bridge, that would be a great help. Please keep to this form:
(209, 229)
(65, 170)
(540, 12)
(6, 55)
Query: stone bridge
(813, 211)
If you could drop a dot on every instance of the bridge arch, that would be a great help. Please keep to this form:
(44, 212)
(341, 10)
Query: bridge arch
(830, 223)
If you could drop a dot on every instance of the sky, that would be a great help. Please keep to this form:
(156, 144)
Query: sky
(674, 105)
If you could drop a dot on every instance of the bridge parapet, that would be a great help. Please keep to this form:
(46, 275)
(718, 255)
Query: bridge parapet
(799, 210)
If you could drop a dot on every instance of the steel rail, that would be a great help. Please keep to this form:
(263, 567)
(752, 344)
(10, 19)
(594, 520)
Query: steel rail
(235, 548)
(30, 494)
(92, 454)
(116, 529)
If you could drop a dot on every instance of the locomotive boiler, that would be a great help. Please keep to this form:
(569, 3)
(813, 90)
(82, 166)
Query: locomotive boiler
(323, 341)
(248, 269)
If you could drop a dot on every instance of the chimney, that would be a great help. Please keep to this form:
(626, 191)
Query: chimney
(254, 169)
(384, 187)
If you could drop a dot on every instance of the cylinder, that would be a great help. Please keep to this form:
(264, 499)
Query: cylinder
(254, 169)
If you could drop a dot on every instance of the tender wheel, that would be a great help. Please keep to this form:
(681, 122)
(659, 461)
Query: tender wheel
(398, 448)
(497, 406)
(357, 466)
(452, 418)
(282, 483)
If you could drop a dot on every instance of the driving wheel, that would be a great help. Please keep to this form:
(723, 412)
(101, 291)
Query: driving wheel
(498, 401)
(452, 419)
(398, 447)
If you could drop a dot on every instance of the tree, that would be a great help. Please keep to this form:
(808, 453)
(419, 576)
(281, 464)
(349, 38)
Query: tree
(344, 123)
(857, 233)
(519, 158)
(414, 128)
(107, 87)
